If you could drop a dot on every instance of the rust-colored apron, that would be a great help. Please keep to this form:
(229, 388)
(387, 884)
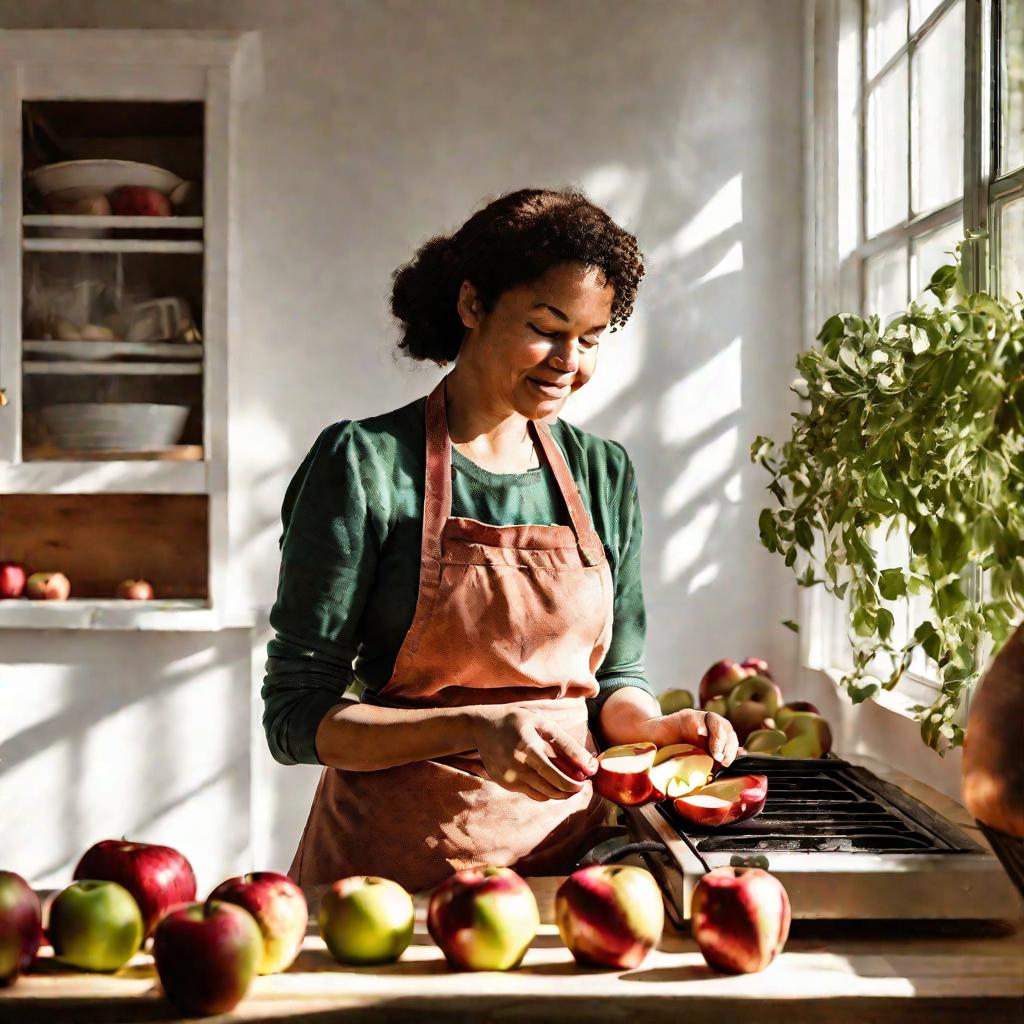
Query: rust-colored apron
(504, 614)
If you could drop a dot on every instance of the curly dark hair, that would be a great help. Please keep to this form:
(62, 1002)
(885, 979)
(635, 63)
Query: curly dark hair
(514, 239)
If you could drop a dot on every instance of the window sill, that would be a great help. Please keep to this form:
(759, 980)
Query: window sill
(912, 690)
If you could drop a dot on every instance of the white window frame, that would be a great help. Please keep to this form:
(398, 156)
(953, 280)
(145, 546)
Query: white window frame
(836, 245)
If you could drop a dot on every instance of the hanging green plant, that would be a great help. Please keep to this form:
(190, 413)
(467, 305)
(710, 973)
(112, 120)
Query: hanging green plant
(917, 427)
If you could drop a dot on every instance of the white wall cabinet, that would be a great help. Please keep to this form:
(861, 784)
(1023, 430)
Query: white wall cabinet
(114, 318)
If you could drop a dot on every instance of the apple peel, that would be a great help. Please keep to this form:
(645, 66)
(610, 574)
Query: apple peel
(725, 801)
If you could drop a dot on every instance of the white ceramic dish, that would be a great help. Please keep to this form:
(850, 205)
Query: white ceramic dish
(131, 426)
(79, 179)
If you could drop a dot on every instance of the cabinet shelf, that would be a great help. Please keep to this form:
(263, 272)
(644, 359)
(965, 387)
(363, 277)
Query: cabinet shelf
(96, 613)
(70, 220)
(71, 475)
(111, 245)
(69, 367)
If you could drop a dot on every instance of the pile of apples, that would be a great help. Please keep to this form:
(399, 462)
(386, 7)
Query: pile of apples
(55, 586)
(207, 953)
(746, 693)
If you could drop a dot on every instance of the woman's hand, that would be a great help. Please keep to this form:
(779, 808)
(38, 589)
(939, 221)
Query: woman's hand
(701, 728)
(526, 754)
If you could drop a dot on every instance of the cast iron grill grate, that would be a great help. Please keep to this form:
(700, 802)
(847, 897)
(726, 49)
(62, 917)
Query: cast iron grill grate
(825, 806)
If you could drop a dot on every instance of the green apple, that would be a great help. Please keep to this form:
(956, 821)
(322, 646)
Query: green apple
(765, 741)
(718, 706)
(675, 700)
(95, 925)
(366, 920)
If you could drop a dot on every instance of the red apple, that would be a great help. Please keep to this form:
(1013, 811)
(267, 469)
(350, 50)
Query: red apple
(47, 586)
(139, 201)
(757, 665)
(279, 908)
(725, 801)
(807, 735)
(678, 769)
(783, 715)
(622, 773)
(12, 579)
(740, 918)
(206, 955)
(483, 919)
(609, 915)
(366, 920)
(21, 926)
(159, 877)
(134, 590)
(719, 680)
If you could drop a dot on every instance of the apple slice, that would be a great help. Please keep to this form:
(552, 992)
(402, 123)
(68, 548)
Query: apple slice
(724, 802)
(622, 773)
(678, 769)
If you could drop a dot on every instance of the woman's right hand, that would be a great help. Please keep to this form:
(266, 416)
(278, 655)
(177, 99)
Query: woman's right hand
(527, 754)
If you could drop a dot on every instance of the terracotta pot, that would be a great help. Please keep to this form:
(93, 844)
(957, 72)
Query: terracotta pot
(993, 759)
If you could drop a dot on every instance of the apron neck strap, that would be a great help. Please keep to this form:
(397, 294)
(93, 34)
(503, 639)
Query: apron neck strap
(437, 497)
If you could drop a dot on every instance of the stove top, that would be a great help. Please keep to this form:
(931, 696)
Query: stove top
(845, 843)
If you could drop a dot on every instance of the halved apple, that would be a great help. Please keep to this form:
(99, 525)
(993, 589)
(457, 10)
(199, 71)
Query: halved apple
(678, 769)
(622, 773)
(724, 802)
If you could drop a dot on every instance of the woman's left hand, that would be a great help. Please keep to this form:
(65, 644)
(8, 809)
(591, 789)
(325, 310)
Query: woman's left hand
(701, 728)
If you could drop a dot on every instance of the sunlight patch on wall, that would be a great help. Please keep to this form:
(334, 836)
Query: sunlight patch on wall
(730, 263)
(724, 210)
(684, 548)
(619, 190)
(702, 468)
(697, 403)
(703, 579)
(620, 360)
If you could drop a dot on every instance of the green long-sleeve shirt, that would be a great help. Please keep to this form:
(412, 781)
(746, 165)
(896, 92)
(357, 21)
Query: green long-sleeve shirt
(350, 554)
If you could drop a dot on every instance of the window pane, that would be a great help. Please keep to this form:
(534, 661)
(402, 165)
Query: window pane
(1011, 256)
(927, 254)
(887, 31)
(919, 11)
(885, 284)
(1012, 86)
(887, 150)
(937, 154)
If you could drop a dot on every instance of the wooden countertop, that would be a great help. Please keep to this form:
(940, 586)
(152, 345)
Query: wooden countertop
(830, 972)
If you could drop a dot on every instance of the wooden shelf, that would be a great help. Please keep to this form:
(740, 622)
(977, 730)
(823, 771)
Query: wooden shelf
(96, 613)
(173, 453)
(110, 245)
(100, 350)
(72, 368)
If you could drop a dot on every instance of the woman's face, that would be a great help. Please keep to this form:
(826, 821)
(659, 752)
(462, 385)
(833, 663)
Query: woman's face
(540, 342)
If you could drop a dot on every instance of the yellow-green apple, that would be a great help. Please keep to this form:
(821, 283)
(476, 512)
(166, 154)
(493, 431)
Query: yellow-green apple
(718, 706)
(783, 715)
(751, 702)
(719, 680)
(12, 579)
(366, 920)
(764, 741)
(47, 586)
(675, 700)
(96, 925)
(134, 590)
(621, 774)
(279, 908)
(740, 918)
(483, 919)
(206, 955)
(757, 665)
(159, 877)
(725, 801)
(678, 769)
(807, 735)
(21, 926)
(609, 915)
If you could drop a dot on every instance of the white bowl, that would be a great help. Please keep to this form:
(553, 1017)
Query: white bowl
(97, 426)
(78, 179)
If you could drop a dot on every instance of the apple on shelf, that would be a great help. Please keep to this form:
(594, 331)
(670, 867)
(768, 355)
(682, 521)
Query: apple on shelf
(134, 590)
(278, 906)
(21, 926)
(740, 918)
(158, 877)
(206, 955)
(366, 920)
(47, 586)
(609, 915)
(12, 579)
(483, 919)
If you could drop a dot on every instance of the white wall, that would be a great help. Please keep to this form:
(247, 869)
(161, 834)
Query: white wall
(383, 123)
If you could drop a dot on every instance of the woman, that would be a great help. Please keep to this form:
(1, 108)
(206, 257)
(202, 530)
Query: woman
(473, 562)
